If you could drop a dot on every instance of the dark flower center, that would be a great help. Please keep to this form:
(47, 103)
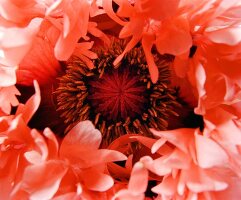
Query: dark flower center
(118, 94)
(118, 100)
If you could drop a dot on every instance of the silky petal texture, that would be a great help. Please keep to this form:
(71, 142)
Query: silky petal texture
(8, 98)
(166, 187)
(209, 153)
(31, 105)
(178, 137)
(71, 196)
(53, 145)
(158, 10)
(8, 76)
(233, 190)
(199, 180)
(174, 38)
(97, 181)
(16, 42)
(20, 13)
(107, 5)
(83, 137)
(229, 35)
(39, 64)
(139, 179)
(181, 65)
(125, 194)
(46, 179)
(15, 124)
(177, 159)
(8, 174)
(147, 43)
(72, 29)
(41, 154)
(93, 157)
(160, 148)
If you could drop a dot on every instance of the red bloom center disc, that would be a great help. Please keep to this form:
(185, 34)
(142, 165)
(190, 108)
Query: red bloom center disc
(118, 94)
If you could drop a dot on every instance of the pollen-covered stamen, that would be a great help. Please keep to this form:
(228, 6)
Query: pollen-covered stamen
(118, 100)
(118, 94)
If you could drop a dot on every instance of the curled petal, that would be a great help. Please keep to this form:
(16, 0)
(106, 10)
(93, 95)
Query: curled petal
(97, 181)
(209, 153)
(46, 181)
(16, 42)
(147, 43)
(8, 76)
(159, 10)
(8, 98)
(228, 35)
(31, 105)
(174, 37)
(82, 137)
(139, 179)
(107, 5)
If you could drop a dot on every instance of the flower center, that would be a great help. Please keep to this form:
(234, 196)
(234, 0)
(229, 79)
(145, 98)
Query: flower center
(118, 94)
(117, 100)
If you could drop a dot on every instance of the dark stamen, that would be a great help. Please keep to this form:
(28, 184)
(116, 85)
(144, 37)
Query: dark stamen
(118, 101)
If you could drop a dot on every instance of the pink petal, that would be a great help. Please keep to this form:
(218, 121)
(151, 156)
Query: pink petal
(42, 181)
(229, 35)
(31, 105)
(179, 137)
(53, 145)
(158, 144)
(107, 5)
(199, 180)
(8, 76)
(159, 10)
(159, 167)
(125, 194)
(16, 42)
(71, 195)
(177, 160)
(8, 98)
(147, 43)
(139, 179)
(34, 156)
(19, 131)
(209, 153)
(166, 187)
(96, 181)
(174, 37)
(82, 137)
(75, 25)
(96, 157)
(181, 65)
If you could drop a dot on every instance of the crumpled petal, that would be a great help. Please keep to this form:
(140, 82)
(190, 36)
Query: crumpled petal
(31, 105)
(42, 181)
(16, 42)
(139, 179)
(82, 137)
(8, 98)
(8, 76)
(209, 153)
(174, 37)
(97, 181)
(157, 9)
